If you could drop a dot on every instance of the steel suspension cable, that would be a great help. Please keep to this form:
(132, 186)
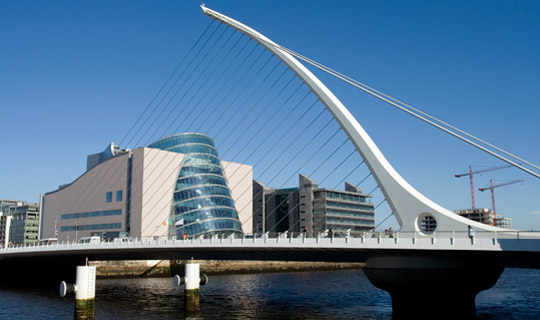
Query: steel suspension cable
(204, 109)
(234, 86)
(196, 92)
(258, 101)
(166, 82)
(107, 175)
(172, 86)
(198, 76)
(308, 160)
(311, 174)
(394, 103)
(350, 173)
(260, 128)
(297, 153)
(172, 159)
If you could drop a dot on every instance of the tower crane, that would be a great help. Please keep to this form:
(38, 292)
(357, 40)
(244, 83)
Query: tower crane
(471, 173)
(491, 187)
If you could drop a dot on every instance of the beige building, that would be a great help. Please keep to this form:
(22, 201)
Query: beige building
(140, 192)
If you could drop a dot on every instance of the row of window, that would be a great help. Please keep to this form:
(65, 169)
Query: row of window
(339, 195)
(209, 226)
(201, 159)
(91, 214)
(119, 196)
(200, 191)
(351, 228)
(193, 170)
(207, 213)
(193, 148)
(104, 226)
(181, 139)
(202, 202)
(347, 205)
(340, 212)
(199, 180)
(370, 221)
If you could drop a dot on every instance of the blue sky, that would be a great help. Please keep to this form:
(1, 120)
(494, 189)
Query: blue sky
(76, 75)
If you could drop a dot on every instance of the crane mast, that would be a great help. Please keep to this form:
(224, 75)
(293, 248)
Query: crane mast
(491, 187)
(471, 173)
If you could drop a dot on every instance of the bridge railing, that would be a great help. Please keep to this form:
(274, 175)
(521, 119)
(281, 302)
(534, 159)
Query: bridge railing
(448, 237)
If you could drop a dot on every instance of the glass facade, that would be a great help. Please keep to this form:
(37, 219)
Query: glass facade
(202, 202)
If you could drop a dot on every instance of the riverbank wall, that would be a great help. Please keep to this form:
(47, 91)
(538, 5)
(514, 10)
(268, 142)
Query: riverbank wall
(167, 268)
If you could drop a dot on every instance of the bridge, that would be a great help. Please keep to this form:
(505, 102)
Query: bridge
(452, 265)
(515, 249)
(442, 267)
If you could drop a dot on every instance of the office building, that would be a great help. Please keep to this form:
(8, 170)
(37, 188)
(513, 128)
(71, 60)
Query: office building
(280, 212)
(19, 222)
(174, 186)
(24, 226)
(311, 209)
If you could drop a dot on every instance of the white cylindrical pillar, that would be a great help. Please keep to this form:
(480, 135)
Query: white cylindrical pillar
(86, 283)
(191, 291)
(192, 276)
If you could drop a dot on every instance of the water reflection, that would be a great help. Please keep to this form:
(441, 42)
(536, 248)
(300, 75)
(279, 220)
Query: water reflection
(309, 295)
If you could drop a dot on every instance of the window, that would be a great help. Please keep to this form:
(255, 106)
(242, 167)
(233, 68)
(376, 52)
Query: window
(109, 196)
(119, 195)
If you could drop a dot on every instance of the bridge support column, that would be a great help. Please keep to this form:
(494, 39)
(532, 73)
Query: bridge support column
(85, 292)
(191, 292)
(432, 288)
(192, 279)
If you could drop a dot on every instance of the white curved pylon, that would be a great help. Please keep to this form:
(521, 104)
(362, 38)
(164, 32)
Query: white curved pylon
(408, 205)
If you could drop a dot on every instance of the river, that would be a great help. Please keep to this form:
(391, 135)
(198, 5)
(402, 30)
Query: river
(303, 295)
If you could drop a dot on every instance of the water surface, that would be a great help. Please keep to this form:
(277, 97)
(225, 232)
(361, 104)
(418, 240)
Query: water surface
(303, 295)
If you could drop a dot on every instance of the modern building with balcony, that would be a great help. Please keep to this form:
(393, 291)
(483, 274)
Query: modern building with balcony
(343, 213)
(174, 187)
(312, 210)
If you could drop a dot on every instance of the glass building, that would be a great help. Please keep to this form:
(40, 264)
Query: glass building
(202, 204)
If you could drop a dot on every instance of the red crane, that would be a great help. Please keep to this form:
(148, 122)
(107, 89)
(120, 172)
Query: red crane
(471, 173)
(491, 187)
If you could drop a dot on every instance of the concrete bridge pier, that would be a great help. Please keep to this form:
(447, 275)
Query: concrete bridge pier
(432, 287)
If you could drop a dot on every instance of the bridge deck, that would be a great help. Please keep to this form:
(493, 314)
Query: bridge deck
(508, 249)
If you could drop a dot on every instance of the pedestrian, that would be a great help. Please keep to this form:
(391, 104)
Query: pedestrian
(470, 232)
(184, 236)
(390, 232)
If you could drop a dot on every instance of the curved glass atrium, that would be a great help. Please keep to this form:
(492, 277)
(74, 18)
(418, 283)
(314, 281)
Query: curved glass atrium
(202, 203)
